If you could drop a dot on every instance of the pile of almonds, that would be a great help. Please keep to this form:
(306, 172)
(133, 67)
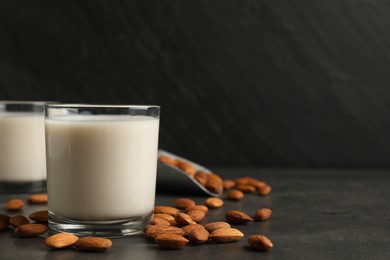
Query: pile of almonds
(175, 226)
(24, 228)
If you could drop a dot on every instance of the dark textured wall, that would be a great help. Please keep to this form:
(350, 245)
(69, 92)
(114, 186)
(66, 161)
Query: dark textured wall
(241, 83)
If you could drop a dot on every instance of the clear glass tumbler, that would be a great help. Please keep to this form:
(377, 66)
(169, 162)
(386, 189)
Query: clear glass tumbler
(101, 167)
(22, 147)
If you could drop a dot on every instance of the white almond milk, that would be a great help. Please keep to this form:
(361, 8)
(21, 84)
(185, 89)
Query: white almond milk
(22, 147)
(101, 167)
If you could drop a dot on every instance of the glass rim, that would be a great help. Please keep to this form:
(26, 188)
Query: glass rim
(100, 106)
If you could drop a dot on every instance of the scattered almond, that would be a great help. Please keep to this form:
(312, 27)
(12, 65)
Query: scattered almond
(212, 226)
(260, 242)
(38, 198)
(183, 203)
(257, 184)
(154, 231)
(214, 183)
(263, 214)
(60, 240)
(93, 244)
(4, 217)
(199, 236)
(226, 235)
(245, 180)
(235, 195)
(31, 230)
(14, 205)
(214, 203)
(201, 177)
(160, 221)
(189, 228)
(197, 207)
(39, 216)
(171, 241)
(237, 217)
(183, 219)
(169, 218)
(196, 215)
(228, 184)
(166, 210)
(18, 220)
(264, 190)
(3, 224)
(246, 188)
(186, 167)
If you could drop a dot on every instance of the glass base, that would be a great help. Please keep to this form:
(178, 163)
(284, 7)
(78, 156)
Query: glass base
(114, 228)
(22, 187)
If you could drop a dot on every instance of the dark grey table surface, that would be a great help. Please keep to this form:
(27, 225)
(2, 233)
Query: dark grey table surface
(317, 214)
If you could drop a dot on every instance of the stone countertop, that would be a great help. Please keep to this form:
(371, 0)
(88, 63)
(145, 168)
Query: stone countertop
(317, 214)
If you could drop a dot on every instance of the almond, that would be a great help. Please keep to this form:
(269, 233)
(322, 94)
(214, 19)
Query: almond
(183, 219)
(260, 242)
(245, 180)
(237, 217)
(4, 217)
(3, 224)
(197, 207)
(264, 190)
(160, 221)
(226, 235)
(196, 215)
(213, 203)
(214, 183)
(171, 241)
(166, 210)
(263, 214)
(169, 218)
(257, 184)
(18, 220)
(60, 240)
(31, 230)
(186, 167)
(201, 177)
(38, 198)
(14, 204)
(167, 160)
(235, 195)
(154, 231)
(246, 188)
(39, 216)
(212, 226)
(189, 228)
(93, 244)
(183, 203)
(199, 235)
(228, 184)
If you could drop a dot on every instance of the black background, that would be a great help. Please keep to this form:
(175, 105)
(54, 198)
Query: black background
(241, 83)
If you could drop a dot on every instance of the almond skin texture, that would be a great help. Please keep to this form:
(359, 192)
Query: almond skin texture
(39, 216)
(197, 207)
(188, 229)
(263, 214)
(5, 218)
(18, 220)
(183, 219)
(199, 236)
(93, 244)
(186, 167)
(212, 226)
(169, 218)
(160, 221)
(14, 205)
(61, 240)
(214, 203)
(166, 210)
(235, 195)
(264, 190)
(38, 198)
(196, 215)
(31, 230)
(214, 183)
(171, 241)
(260, 242)
(3, 224)
(201, 177)
(237, 217)
(226, 235)
(246, 188)
(154, 231)
(228, 184)
(183, 203)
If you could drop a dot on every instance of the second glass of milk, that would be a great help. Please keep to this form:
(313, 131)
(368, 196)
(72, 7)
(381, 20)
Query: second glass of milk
(101, 167)
(22, 147)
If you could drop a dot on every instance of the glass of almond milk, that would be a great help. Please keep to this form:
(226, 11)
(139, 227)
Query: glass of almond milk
(22, 147)
(101, 167)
